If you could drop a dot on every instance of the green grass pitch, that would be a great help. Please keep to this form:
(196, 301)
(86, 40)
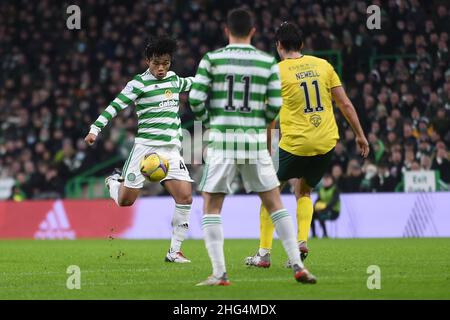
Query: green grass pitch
(135, 269)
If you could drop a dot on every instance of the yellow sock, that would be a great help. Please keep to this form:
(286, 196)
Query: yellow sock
(266, 229)
(304, 217)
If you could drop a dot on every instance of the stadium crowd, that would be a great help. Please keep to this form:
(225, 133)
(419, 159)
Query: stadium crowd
(54, 81)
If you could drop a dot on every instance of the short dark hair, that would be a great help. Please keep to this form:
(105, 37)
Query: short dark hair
(240, 22)
(328, 175)
(157, 46)
(289, 36)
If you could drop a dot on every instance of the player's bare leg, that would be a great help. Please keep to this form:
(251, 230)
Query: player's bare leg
(127, 196)
(285, 230)
(213, 202)
(181, 192)
(123, 196)
(213, 232)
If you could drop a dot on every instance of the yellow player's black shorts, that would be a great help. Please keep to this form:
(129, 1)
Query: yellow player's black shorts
(311, 168)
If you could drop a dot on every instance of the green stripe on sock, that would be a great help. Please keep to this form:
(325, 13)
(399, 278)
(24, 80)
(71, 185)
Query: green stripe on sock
(211, 220)
(183, 206)
(279, 215)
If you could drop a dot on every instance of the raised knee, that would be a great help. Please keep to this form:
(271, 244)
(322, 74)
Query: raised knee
(187, 199)
(125, 202)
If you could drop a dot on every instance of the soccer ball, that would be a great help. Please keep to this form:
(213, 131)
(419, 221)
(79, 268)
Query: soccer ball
(154, 167)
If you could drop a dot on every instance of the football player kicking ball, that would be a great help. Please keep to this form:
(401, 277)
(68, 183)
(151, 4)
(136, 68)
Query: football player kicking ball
(308, 132)
(156, 95)
(245, 97)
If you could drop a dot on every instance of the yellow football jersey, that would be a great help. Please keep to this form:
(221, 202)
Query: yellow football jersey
(307, 122)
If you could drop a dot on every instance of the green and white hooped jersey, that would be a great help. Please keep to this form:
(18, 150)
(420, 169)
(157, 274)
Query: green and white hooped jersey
(157, 104)
(244, 88)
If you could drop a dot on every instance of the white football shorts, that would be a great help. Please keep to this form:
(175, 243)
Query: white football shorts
(131, 170)
(257, 176)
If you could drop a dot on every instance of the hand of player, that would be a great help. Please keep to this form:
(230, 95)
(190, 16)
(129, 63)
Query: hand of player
(90, 139)
(363, 145)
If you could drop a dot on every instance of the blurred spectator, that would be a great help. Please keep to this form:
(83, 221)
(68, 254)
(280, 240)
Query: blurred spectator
(370, 171)
(336, 172)
(383, 181)
(340, 156)
(352, 181)
(377, 147)
(441, 163)
(396, 165)
(327, 205)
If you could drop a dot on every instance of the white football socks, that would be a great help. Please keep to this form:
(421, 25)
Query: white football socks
(213, 231)
(180, 225)
(114, 186)
(285, 230)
